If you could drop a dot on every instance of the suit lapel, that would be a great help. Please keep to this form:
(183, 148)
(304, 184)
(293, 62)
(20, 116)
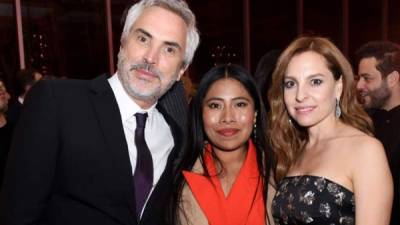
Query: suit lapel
(178, 134)
(158, 202)
(108, 114)
(174, 104)
(109, 118)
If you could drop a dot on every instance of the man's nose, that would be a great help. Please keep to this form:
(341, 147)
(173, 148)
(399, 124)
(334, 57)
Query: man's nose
(152, 54)
(360, 84)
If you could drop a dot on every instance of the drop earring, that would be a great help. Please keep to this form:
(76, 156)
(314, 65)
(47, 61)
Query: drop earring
(254, 131)
(338, 111)
(255, 125)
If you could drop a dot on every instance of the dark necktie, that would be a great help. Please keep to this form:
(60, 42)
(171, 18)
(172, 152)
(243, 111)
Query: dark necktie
(143, 176)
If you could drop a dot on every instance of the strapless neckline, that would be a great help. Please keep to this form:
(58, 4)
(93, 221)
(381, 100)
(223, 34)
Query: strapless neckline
(321, 177)
(312, 200)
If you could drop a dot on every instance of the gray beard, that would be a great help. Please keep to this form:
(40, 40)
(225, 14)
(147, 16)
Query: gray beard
(123, 72)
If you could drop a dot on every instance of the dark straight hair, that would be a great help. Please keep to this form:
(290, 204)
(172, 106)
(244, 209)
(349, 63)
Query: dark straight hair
(197, 137)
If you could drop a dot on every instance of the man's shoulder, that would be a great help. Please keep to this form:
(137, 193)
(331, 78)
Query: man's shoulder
(76, 84)
(174, 104)
(67, 90)
(174, 99)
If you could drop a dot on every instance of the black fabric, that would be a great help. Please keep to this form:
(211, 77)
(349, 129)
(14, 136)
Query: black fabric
(5, 141)
(14, 111)
(387, 130)
(312, 200)
(69, 160)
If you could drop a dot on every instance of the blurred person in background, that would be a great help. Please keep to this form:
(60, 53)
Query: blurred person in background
(26, 78)
(263, 74)
(378, 86)
(6, 129)
(24, 81)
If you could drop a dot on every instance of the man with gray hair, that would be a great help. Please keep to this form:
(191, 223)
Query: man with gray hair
(103, 152)
(378, 85)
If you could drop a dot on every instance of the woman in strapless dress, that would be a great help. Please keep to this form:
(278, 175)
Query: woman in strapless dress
(329, 167)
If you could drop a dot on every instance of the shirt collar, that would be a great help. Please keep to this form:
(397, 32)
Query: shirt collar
(395, 109)
(127, 106)
(382, 114)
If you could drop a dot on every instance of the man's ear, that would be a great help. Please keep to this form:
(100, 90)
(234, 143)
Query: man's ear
(392, 78)
(180, 73)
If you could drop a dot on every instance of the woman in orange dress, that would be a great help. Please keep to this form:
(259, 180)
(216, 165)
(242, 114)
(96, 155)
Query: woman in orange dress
(223, 178)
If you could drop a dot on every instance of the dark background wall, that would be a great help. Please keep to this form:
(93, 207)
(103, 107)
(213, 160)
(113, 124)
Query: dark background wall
(68, 38)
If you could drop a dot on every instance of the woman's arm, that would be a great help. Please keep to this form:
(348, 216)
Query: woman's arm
(270, 197)
(373, 184)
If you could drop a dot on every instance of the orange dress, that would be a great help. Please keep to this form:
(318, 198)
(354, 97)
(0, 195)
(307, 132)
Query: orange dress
(245, 202)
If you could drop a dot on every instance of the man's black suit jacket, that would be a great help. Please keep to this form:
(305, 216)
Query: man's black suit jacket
(69, 161)
(387, 125)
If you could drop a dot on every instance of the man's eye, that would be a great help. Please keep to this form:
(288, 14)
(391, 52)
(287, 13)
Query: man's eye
(142, 39)
(366, 78)
(170, 50)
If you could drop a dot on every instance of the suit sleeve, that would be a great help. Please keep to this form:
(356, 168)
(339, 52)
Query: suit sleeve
(32, 159)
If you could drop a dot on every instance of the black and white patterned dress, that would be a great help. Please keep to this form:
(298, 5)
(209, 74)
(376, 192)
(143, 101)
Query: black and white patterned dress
(312, 200)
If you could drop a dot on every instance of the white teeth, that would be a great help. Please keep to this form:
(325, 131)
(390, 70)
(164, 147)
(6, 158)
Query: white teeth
(362, 93)
(305, 109)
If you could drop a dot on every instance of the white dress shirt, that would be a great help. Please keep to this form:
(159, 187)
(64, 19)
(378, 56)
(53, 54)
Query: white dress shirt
(158, 134)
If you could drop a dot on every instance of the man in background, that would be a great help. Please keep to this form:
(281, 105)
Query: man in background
(378, 85)
(24, 81)
(6, 129)
(26, 78)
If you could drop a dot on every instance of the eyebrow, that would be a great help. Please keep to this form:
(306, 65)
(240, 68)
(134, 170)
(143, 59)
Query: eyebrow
(308, 77)
(222, 99)
(147, 34)
(173, 44)
(364, 75)
(140, 30)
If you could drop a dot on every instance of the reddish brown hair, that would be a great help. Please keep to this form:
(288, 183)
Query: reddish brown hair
(289, 140)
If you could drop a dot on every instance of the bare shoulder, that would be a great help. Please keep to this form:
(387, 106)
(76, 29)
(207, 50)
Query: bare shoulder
(364, 142)
(371, 180)
(365, 153)
(365, 146)
(360, 149)
(360, 142)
